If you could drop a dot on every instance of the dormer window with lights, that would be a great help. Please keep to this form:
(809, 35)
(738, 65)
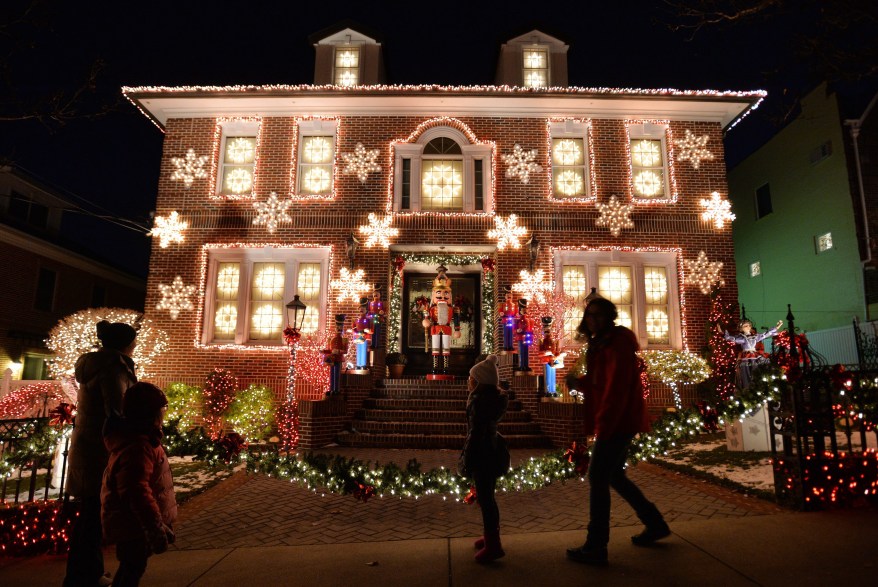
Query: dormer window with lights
(536, 67)
(347, 66)
(238, 153)
(442, 172)
(649, 162)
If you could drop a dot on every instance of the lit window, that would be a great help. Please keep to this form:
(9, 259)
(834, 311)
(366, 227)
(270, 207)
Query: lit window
(755, 269)
(536, 67)
(239, 157)
(347, 66)
(250, 289)
(442, 186)
(647, 168)
(568, 167)
(315, 164)
(824, 242)
(642, 285)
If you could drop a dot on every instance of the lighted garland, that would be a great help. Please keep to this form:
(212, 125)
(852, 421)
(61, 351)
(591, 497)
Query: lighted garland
(674, 368)
(394, 324)
(36, 528)
(30, 398)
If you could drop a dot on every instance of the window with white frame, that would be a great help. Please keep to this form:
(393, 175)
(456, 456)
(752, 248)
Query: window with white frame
(643, 286)
(248, 290)
(649, 169)
(823, 242)
(442, 172)
(347, 66)
(574, 284)
(237, 169)
(535, 66)
(570, 170)
(755, 269)
(316, 156)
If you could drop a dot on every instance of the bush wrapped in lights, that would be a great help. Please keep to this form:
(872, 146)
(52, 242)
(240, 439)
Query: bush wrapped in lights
(251, 413)
(219, 391)
(36, 528)
(184, 403)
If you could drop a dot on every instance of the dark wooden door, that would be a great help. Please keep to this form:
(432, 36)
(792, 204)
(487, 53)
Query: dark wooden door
(466, 293)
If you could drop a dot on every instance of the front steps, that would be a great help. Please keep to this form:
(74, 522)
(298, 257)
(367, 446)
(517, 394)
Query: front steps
(415, 413)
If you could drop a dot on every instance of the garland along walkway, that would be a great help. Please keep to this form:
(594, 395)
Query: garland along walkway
(257, 510)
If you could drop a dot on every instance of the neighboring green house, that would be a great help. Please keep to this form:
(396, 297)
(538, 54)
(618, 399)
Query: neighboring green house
(799, 235)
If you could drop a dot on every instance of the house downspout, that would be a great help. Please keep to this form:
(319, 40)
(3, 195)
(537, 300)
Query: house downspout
(855, 133)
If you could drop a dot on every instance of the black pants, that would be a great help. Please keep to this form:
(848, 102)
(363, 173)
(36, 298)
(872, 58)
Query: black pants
(485, 486)
(607, 469)
(85, 560)
(132, 555)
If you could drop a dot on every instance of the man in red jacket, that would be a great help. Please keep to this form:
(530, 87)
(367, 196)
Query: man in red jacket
(615, 413)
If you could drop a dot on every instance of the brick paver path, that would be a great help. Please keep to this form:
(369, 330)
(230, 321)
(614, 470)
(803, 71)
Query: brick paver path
(261, 511)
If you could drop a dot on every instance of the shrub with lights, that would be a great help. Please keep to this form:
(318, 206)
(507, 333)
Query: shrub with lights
(251, 413)
(219, 391)
(184, 403)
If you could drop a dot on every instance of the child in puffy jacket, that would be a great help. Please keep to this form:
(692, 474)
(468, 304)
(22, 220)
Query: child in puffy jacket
(138, 507)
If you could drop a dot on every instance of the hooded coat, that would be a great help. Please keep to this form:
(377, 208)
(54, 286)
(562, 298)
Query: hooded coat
(103, 378)
(483, 447)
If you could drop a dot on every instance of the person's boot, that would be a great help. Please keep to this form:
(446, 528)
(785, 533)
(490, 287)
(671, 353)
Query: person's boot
(479, 543)
(492, 549)
(653, 532)
(589, 554)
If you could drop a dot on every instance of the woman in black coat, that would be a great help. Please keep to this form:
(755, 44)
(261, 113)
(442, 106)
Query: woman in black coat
(485, 454)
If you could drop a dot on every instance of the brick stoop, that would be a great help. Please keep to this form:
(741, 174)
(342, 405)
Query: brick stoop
(415, 413)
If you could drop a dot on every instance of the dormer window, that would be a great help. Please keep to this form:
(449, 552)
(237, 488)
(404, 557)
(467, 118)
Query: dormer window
(536, 67)
(347, 66)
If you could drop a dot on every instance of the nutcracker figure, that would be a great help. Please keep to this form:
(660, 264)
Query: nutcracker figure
(524, 333)
(550, 357)
(507, 317)
(334, 355)
(362, 335)
(376, 315)
(441, 316)
(750, 356)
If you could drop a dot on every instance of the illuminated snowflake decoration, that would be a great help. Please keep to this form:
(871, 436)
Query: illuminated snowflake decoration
(533, 286)
(521, 164)
(175, 297)
(272, 212)
(507, 232)
(614, 215)
(189, 168)
(350, 285)
(361, 162)
(703, 273)
(693, 149)
(379, 231)
(716, 210)
(168, 230)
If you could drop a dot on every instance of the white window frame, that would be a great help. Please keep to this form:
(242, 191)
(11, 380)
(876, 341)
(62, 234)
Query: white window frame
(637, 131)
(235, 128)
(470, 152)
(819, 239)
(574, 130)
(755, 269)
(590, 260)
(290, 257)
(342, 46)
(311, 128)
(524, 70)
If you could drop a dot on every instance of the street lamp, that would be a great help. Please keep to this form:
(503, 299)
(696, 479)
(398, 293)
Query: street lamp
(289, 415)
(296, 314)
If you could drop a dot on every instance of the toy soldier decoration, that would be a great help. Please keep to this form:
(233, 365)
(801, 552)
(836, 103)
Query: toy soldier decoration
(362, 334)
(549, 357)
(524, 333)
(334, 355)
(376, 315)
(439, 319)
(507, 317)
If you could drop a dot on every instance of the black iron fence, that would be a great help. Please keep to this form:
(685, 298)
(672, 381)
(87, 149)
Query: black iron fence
(33, 461)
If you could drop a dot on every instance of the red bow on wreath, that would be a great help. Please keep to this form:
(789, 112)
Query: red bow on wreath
(364, 492)
(231, 444)
(471, 497)
(398, 264)
(578, 456)
(62, 415)
(487, 264)
(291, 335)
(840, 379)
(709, 417)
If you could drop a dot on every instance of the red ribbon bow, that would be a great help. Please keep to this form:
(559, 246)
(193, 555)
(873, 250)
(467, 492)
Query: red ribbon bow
(62, 415)
(709, 417)
(398, 264)
(578, 456)
(291, 335)
(471, 497)
(232, 444)
(487, 264)
(364, 492)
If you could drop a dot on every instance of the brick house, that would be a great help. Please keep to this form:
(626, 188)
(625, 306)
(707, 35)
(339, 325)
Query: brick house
(451, 162)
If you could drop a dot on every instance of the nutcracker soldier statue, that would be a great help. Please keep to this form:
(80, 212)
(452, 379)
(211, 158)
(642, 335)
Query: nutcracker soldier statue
(524, 333)
(507, 318)
(362, 334)
(376, 316)
(334, 355)
(549, 357)
(440, 318)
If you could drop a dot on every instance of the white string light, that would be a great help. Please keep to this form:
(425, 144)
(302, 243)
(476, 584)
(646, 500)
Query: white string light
(693, 149)
(272, 212)
(716, 210)
(614, 215)
(189, 168)
(521, 163)
(175, 297)
(350, 285)
(507, 232)
(533, 286)
(361, 162)
(703, 273)
(379, 231)
(168, 230)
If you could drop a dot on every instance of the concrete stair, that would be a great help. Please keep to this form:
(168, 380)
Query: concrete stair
(415, 413)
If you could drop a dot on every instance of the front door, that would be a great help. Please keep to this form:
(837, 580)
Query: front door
(415, 344)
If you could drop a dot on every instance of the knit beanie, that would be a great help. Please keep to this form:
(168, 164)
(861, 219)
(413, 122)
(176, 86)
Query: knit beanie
(142, 402)
(486, 372)
(115, 335)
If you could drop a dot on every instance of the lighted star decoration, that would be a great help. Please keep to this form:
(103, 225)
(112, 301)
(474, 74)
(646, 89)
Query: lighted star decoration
(693, 149)
(507, 232)
(168, 230)
(350, 285)
(361, 162)
(716, 210)
(533, 286)
(614, 215)
(703, 272)
(189, 168)
(379, 231)
(272, 212)
(175, 297)
(521, 163)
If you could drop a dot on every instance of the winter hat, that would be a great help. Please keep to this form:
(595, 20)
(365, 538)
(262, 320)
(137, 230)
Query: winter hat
(115, 335)
(486, 372)
(143, 401)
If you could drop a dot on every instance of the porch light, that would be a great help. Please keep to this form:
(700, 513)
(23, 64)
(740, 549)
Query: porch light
(296, 313)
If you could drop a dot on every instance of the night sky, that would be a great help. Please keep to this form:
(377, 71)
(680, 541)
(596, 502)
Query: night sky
(112, 161)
